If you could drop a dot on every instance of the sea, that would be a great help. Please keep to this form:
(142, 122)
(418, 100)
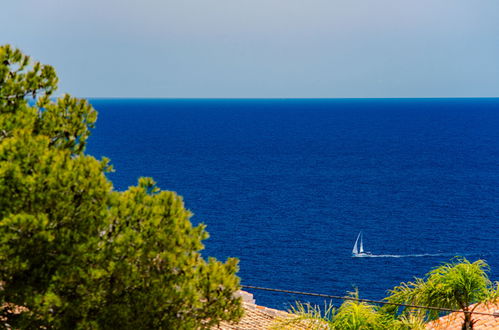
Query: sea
(286, 185)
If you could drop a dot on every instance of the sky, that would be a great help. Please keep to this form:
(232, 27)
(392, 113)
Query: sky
(262, 48)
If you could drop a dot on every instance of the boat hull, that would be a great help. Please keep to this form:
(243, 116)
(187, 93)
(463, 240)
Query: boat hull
(361, 255)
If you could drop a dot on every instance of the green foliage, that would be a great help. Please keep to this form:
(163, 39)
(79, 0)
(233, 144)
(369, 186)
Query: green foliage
(409, 321)
(74, 252)
(307, 316)
(351, 315)
(153, 240)
(454, 285)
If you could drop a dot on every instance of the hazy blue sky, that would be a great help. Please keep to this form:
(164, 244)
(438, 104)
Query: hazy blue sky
(262, 48)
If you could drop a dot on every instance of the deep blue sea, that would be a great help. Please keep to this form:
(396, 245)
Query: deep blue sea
(286, 185)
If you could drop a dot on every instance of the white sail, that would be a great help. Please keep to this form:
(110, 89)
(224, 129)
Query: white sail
(355, 249)
(361, 245)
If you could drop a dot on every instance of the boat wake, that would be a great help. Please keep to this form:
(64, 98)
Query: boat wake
(404, 255)
(358, 252)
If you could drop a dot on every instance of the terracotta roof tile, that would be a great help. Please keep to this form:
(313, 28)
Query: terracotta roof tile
(259, 317)
(255, 317)
(455, 320)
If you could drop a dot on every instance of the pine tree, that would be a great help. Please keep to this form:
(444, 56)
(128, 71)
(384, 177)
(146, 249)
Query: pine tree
(74, 253)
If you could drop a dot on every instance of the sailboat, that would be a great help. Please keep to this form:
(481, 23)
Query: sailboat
(358, 250)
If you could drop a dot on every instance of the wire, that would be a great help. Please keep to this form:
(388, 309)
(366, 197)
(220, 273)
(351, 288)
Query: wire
(496, 314)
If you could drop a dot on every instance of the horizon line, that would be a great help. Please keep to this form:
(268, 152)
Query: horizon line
(279, 98)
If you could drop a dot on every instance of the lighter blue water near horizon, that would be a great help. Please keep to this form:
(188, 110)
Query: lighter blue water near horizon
(285, 185)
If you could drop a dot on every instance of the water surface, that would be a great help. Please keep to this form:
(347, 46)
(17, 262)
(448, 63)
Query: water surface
(286, 185)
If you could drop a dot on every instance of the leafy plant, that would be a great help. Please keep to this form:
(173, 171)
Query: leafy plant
(459, 285)
(454, 285)
(351, 315)
(354, 314)
(307, 316)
